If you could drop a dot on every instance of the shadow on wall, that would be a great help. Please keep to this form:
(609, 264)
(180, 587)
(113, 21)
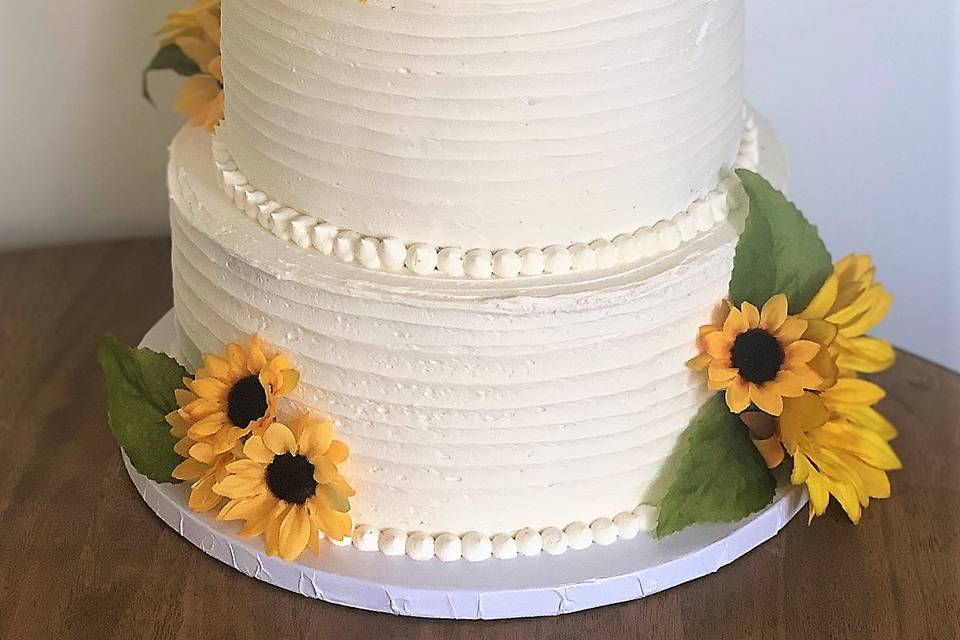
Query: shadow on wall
(89, 152)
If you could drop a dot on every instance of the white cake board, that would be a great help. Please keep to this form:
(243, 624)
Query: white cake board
(524, 587)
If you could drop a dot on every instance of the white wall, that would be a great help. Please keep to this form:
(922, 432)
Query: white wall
(864, 93)
(865, 96)
(81, 153)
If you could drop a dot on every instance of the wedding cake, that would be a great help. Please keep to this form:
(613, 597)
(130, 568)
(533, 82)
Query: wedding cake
(476, 280)
(485, 231)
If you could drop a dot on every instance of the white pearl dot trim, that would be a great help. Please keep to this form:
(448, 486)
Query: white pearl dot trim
(418, 258)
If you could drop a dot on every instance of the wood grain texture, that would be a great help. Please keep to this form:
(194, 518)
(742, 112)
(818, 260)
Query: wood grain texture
(82, 557)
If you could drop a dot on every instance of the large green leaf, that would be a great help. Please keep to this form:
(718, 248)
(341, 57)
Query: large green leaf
(140, 393)
(169, 57)
(778, 252)
(721, 477)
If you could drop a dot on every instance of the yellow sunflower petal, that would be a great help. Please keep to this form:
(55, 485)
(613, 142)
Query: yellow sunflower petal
(820, 331)
(203, 452)
(324, 470)
(805, 376)
(226, 438)
(208, 425)
(271, 537)
(738, 395)
(751, 315)
(825, 367)
(734, 325)
(182, 448)
(279, 439)
(788, 384)
(876, 481)
(202, 496)
(334, 524)
(867, 418)
(216, 366)
(210, 389)
(183, 397)
(256, 360)
(338, 452)
(819, 496)
(316, 438)
(800, 352)
(767, 398)
(846, 495)
(801, 415)
(700, 362)
(258, 522)
(201, 408)
(791, 330)
(256, 450)
(718, 345)
(721, 374)
(774, 312)
(854, 391)
(189, 469)
(240, 487)
(196, 94)
(294, 533)
(255, 508)
(862, 443)
(237, 356)
(177, 422)
(291, 378)
(246, 468)
(871, 318)
(823, 302)
(865, 354)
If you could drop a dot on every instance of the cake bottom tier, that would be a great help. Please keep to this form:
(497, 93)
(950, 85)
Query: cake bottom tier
(505, 415)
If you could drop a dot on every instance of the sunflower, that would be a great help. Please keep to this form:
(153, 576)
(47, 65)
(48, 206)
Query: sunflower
(231, 397)
(189, 20)
(286, 487)
(196, 30)
(758, 356)
(839, 445)
(853, 303)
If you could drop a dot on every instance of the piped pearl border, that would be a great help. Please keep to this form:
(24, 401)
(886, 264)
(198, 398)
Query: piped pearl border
(392, 254)
(475, 546)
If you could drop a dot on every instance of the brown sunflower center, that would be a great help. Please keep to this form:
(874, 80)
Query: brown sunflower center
(290, 478)
(758, 355)
(246, 401)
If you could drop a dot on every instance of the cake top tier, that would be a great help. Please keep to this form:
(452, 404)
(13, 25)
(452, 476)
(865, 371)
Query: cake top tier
(484, 123)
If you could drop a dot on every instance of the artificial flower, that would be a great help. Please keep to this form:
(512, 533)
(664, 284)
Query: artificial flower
(190, 21)
(196, 31)
(201, 465)
(836, 448)
(758, 356)
(854, 303)
(230, 397)
(286, 487)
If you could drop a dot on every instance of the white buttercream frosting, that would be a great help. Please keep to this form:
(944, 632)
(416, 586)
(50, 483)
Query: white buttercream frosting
(470, 406)
(480, 263)
(484, 123)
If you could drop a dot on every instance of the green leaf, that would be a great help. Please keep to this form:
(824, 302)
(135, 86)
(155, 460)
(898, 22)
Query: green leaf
(140, 386)
(721, 477)
(169, 57)
(778, 252)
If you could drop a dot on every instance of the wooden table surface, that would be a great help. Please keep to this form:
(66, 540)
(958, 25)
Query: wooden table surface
(82, 557)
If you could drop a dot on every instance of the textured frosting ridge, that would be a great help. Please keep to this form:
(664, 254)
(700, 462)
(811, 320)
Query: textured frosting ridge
(422, 258)
(484, 123)
(485, 418)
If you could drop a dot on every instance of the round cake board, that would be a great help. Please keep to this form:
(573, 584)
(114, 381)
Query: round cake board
(523, 587)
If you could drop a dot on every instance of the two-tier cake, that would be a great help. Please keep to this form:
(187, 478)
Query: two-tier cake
(491, 279)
